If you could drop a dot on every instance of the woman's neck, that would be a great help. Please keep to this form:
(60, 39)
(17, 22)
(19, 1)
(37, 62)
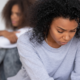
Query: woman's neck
(51, 42)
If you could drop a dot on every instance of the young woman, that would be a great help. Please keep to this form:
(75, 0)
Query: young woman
(53, 51)
(15, 16)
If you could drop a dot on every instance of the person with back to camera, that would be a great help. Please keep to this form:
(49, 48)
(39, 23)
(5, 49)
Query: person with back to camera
(15, 15)
(53, 51)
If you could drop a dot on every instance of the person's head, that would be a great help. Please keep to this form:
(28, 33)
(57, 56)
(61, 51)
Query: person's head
(57, 19)
(15, 13)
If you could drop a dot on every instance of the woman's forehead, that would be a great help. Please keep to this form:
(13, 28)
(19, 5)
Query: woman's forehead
(15, 8)
(64, 23)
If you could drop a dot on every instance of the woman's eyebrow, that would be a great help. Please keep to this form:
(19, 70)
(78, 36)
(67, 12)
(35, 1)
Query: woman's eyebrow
(65, 30)
(61, 28)
(75, 28)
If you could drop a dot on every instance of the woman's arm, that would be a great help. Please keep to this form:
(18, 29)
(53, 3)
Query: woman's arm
(1, 32)
(11, 36)
(76, 72)
(5, 43)
(31, 62)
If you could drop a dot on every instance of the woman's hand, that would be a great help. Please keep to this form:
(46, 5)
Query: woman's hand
(10, 35)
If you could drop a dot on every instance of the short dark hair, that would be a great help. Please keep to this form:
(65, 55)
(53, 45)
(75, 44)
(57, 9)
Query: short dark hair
(23, 5)
(44, 11)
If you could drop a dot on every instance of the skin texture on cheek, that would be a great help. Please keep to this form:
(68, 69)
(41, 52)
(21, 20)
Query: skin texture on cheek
(54, 34)
(54, 38)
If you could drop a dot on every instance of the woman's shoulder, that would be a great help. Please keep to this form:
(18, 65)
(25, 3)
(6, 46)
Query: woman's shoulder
(24, 44)
(25, 38)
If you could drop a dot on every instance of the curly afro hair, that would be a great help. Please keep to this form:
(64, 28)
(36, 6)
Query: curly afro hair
(44, 11)
(23, 5)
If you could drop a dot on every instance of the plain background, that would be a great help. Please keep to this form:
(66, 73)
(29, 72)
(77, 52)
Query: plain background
(2, 4)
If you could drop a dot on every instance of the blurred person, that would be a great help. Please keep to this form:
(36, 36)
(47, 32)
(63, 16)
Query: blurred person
(15, 16)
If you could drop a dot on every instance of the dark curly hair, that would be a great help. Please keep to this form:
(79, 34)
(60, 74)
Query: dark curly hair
(23, 5)
(44, 11)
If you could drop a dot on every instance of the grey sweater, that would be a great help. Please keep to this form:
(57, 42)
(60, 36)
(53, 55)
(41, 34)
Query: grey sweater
(42, 62)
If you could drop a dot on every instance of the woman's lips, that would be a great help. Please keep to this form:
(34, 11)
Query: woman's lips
(63, 43)
(13, 22)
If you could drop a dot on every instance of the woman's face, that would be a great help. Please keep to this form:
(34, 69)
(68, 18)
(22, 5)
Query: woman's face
(16, 16)
(62, 30)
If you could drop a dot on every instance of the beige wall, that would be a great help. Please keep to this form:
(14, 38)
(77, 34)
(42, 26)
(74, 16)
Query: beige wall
(2, 3)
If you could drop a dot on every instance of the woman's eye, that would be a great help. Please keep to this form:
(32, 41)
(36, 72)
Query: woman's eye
(73, 31)
(60, 31)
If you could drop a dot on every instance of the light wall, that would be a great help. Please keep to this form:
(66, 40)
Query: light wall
(2, 4)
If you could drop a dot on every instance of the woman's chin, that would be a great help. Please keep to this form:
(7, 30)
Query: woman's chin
(14, 26)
